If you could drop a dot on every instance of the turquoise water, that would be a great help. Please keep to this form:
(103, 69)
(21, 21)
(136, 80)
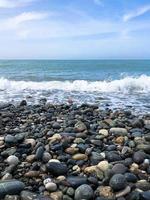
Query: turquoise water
(109, 83)
(93, 70)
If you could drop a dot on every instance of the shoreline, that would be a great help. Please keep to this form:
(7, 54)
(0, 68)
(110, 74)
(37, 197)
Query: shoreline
(73, 152)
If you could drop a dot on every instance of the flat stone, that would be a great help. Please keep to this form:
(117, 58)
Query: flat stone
(57, 169)
(80, 156)
(75, 181)
(119, 131)
(10, 187)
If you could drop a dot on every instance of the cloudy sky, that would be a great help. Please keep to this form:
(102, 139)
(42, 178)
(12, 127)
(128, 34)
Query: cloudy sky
(74, 29)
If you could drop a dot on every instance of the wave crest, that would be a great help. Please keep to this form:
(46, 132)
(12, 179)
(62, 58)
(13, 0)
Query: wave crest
(125, 85)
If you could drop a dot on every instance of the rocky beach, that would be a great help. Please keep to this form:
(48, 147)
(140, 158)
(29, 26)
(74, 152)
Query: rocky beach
(66, 152)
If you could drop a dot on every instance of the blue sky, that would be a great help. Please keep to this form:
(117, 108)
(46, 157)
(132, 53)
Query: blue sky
(74, 29)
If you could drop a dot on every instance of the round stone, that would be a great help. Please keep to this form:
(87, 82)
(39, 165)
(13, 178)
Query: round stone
(103, 132)
(139, 157)
(12, 160)
(118, 182)
(84, 192)
(119, 169)
(51, 187)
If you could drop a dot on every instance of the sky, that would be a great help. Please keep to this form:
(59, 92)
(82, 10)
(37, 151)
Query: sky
(74, 29)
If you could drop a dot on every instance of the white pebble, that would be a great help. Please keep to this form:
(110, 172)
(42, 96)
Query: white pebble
(12, 160)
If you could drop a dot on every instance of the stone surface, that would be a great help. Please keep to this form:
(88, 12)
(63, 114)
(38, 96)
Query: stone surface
(84, 192)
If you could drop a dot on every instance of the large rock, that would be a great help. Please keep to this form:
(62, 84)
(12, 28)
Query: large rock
(10, 187)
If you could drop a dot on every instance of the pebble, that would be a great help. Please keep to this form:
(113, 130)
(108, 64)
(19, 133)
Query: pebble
(84, 192)
(104, 132)
(119, 131)
(12, 160)
(119, 169)
(145, 195)
(80, 156)
(106, 192)
(138, 157)
(10, 187)
(51, 187)
(117, 182)
(57, 169)
(103, 165)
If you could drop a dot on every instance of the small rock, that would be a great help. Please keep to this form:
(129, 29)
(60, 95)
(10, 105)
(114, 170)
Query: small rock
(119, 131)
(84, 192)
(124, 192)
(12, 160)
(119, 169)
(106, 192)
(104, 132)
(138, 157)
(10, 187)
(145, 195)
(118, 182)
(80, 156)
(57, 169)
(51, 187)
(80, 126)
(75, 181)
(103, 165)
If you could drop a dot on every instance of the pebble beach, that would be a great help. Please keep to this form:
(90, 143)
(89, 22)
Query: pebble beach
(66, 152)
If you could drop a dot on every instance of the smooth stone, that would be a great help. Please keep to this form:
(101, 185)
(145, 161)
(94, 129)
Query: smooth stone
(138, 157)
(10, 139)
(30, 158)
(72, 150)
(104, 132)
(46, 157)
(131, 177)
(117, 182)
(84, 192)
(144, 147)
(119, 131)
(113, 156)
(30, 141)
(75, 181)
(143, 185)
(56, 125)
(57, 169)
(39, 153)
(27, 195)
(56, 195)
(31, 174)
(23, 103)
(103, 165)
(51, 187)
(80, 156)
(10, 187)
(119, 169)
(124, 192)
(12, 160)
(145, 195)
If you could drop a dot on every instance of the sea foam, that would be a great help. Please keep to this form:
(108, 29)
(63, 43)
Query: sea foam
(124, 85)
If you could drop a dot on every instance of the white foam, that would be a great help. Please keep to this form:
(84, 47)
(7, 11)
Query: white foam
(125, 85)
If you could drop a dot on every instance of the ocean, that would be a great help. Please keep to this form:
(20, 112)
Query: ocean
(108, 83)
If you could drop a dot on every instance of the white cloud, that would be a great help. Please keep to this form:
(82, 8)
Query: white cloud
(136, 13)
(98, 2)
(13, 22)
(14, 3)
